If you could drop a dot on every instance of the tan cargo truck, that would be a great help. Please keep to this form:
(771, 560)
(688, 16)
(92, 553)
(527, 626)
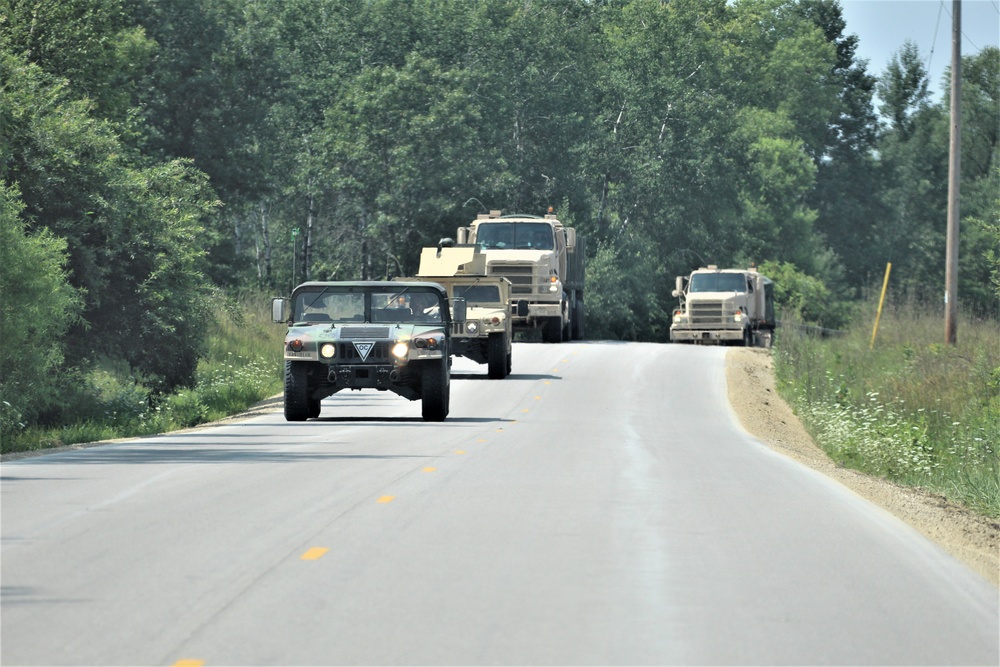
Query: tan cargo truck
(724, 306)
(544, 262)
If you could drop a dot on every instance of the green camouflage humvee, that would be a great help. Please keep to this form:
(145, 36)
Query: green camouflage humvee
(367, 335)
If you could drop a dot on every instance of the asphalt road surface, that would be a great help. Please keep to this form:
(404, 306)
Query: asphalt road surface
(601, 505)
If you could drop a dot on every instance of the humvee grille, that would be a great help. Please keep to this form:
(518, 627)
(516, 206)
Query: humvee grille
(379, 354)
(706, 312)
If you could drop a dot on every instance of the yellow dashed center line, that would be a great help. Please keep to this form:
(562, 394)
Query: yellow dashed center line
(482, 440)
(526, 410)
(429, 469)
(386, 499)
(189, 662)
(538, 398)
(459, 451)
(314, 554)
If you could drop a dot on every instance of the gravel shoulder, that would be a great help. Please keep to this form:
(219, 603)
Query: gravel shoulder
(969, 537)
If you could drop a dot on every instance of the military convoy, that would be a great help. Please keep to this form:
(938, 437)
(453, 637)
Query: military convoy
(724, 306)
(382, 335)
(544, 262)
(505, 273)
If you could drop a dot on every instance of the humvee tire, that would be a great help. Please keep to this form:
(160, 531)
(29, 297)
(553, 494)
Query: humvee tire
(434, 390)
(496, 355)
(297, 404)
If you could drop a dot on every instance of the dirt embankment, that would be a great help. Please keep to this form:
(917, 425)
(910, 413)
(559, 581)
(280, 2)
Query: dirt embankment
(969, 537)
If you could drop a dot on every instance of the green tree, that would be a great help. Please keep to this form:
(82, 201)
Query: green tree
(37, 308)
(134, 235)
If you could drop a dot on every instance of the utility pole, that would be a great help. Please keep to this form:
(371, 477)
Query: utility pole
(954, 179)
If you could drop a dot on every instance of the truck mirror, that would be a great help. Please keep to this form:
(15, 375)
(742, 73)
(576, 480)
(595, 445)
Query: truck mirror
(463, 235)
(279, 309)
(521, 308)
(676, 294)
(678, 285)
(458, 309)
(570, 238)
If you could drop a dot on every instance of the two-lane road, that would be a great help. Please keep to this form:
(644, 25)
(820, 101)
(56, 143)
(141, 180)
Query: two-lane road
(601, 505)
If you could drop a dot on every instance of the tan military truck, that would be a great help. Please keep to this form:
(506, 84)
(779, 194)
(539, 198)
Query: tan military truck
(544, 261)
(724, 306)
(486, 335)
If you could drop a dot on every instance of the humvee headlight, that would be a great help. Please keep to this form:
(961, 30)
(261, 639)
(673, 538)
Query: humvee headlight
(471, 327)
(328, 350)
(428, 342)
(400, 350)
(295, 345)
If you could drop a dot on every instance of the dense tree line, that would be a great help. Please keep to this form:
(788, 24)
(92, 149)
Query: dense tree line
(154, 150)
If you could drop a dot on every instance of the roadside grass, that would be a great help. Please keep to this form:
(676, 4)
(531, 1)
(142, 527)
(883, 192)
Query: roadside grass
(912, 409)
(242, 365)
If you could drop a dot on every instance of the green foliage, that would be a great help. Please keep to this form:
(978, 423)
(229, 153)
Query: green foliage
(803, 298)
(911, 410)
(134, 234)
(241, 367)
(37, 307)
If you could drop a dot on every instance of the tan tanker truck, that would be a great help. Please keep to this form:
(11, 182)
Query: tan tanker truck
(544, 262)
(486, 334)
(719, 306)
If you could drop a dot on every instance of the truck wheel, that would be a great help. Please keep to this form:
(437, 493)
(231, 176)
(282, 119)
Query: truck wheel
(579, 316)
(496, 356)
(297, 403)
(552, 330)
(434, 391)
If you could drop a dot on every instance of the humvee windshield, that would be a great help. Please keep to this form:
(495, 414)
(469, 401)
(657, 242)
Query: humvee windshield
(718, 282)
(515, 235)
(356, 304)
(475, 294)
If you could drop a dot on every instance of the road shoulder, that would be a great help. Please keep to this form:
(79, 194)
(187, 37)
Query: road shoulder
(973, 539)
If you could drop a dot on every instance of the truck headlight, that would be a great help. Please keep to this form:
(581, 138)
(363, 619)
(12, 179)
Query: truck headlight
(400, 350)
(738, 316)
(328, 350)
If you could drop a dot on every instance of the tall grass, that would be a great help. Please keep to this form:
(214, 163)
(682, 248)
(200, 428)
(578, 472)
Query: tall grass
(911, 409)
(242, 365)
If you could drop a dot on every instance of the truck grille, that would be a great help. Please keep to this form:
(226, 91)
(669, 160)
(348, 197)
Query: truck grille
(520, 275)
(706, 312)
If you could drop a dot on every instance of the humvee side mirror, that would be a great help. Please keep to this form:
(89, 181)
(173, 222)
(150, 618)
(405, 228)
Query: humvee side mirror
(458, 309)
(521, 309)
(279, 309)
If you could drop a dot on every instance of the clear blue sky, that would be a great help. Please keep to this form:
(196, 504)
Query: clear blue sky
(883, 25)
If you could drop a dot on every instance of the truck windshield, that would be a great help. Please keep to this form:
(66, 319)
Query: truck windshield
(516, 235)
(478, 293)
(718, 282)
